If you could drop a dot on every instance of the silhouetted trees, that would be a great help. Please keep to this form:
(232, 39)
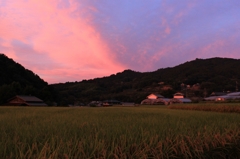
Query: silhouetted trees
(16, 80)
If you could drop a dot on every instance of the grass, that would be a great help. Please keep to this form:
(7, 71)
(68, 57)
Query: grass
(216, 107)
(117, 132)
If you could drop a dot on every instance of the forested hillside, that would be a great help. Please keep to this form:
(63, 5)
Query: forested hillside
(197, 78)
(16, 80)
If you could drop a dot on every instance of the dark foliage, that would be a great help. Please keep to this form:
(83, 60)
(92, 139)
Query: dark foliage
(196, 79)
(215, 74)
(16, 80)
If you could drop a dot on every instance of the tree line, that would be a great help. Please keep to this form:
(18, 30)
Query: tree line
(197, 78)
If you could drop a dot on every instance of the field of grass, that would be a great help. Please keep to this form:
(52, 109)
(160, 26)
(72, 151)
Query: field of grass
(117, 132)
(215, 107)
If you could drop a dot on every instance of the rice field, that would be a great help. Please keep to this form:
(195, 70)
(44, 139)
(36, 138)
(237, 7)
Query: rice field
(215, 107)
(117, 133)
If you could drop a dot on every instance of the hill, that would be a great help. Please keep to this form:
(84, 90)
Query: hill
(197, 78)
(16, 80)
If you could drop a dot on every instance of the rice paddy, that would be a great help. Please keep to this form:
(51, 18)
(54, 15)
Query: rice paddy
(220, 107)
(117, 132)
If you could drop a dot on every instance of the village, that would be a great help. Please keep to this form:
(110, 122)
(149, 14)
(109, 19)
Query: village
(151, 99)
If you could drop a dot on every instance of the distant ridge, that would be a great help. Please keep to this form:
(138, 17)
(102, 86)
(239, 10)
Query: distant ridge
(11, 71)
(16, 80)
(196, 79)
(202, 76)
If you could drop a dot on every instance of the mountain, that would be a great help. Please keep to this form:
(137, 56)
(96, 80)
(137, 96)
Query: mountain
(197, 78)
(16, 80)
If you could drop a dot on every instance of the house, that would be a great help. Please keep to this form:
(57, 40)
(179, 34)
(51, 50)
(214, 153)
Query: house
(95, 104)
(234, 94)
(223, 97)
(155, 99)
(154, 96)
(220, 98)
(180, 100)
(111, 102)
(159, 101)
(178, 95)
(218, 93)
(20, 100)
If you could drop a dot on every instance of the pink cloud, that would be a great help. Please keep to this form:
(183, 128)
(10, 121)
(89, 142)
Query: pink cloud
(59, 35)
(69, 40)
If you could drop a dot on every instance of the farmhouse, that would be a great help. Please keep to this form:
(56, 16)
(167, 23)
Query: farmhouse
(155, 99)
(154, 96)
(180, 100)
(224, 97)
(218, 93)
(25, 101)
(178, 95)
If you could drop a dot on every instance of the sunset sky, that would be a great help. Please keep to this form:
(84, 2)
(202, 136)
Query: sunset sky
(72, 40)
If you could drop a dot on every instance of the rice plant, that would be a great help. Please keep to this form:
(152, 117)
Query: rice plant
(224, 107)
(117, 132)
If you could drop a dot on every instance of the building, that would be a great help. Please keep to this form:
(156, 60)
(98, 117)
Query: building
(178, 95)
(155, 99)
(180, 100)
(154, 96)
(25, 101)
(223, 97)
(218, 93)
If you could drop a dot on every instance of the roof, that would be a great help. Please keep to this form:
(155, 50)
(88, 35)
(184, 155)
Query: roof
(185, 100)
(218, 93)
(157, 95)
(210, 98)
(178, 94)
(180, 100)
(156, 101)
(234, 94)
(229, 97)
(21, 100)
(29, 98)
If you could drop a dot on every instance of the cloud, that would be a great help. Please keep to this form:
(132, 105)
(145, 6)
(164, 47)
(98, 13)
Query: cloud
(50, 34)
(69, 40)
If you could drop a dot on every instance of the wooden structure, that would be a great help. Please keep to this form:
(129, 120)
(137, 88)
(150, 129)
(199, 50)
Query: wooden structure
(25, 101)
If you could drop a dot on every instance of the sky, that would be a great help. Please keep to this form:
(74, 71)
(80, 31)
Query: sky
(73, 40)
